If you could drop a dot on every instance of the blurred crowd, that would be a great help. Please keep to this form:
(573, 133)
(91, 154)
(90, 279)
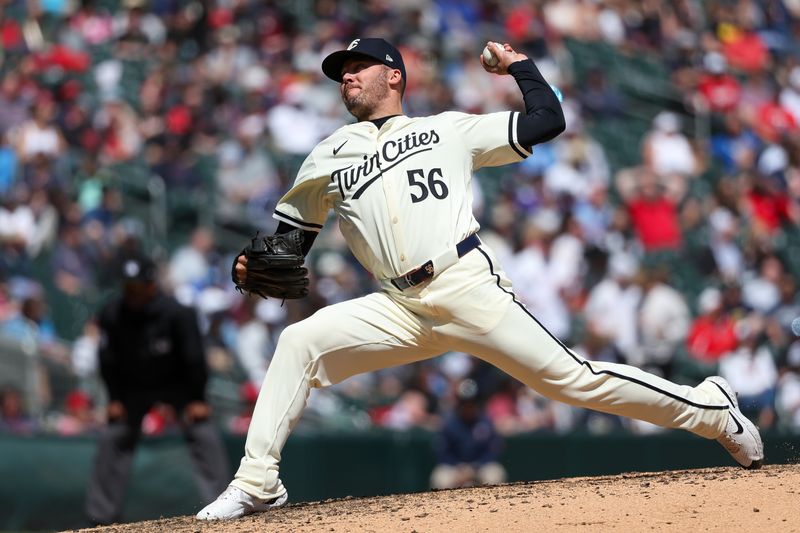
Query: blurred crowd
(684, 263)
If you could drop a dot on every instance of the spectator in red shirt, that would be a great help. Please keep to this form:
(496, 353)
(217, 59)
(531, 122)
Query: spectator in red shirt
(712, 334)
(769, 205)
(78, 416)
(745, 50)
(720, 92)
(773, 121)
(248, 393)
(11, 37)
(62, 57)
(654, 214)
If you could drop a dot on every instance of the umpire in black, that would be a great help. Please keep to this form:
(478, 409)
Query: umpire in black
(151, 351)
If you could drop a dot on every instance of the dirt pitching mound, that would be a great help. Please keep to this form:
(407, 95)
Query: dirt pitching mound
(711, 499)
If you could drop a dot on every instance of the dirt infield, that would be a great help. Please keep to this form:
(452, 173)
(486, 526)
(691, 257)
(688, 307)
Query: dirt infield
(713, 499)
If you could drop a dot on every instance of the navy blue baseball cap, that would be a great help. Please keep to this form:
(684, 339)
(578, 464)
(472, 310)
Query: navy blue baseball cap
(378, 49)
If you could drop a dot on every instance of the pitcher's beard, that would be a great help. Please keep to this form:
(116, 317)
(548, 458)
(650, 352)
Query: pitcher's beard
(363, 104)
(356, 105)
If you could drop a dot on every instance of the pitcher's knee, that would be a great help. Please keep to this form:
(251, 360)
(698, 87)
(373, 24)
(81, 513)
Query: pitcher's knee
(298, 345)
(298, 337)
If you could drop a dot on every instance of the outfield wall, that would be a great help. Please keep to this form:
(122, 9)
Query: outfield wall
(43, 478)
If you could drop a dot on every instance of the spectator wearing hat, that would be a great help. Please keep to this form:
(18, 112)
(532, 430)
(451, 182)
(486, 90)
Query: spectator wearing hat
(773, 120)
(713, 332)
(151, 354)
(768, 206)
(751, 369)
(468, 447)
(653, 211)
(666, 150)
(78, 416)
(541, 271)
(728, 256)
(612, 305)
(743, 46)
(719, 91)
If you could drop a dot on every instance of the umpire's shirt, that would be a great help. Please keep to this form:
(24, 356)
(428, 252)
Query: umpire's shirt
(152, 354)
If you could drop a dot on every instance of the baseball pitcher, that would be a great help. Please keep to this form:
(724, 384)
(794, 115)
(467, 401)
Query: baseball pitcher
(400, 189)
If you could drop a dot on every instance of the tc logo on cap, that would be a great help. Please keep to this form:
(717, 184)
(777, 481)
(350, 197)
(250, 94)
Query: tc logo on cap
(354, 44)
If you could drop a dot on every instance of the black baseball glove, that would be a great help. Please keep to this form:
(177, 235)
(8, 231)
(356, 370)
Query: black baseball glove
(274, 266)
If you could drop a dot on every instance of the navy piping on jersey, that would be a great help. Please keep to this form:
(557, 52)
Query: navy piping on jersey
(297, 223)
(586, 362)
(512, 133)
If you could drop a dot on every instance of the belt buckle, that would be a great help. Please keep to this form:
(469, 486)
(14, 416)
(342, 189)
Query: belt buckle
(427, 267)
(408, 278)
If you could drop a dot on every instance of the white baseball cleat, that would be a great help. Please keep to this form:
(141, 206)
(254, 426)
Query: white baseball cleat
(236, 503)
(741, 437)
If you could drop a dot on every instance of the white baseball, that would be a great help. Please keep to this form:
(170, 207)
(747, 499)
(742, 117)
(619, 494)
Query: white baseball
(488, 56)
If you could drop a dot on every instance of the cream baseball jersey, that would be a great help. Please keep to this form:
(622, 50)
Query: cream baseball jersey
(401, 193)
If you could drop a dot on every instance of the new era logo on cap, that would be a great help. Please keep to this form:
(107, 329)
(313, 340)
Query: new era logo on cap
(377, 49)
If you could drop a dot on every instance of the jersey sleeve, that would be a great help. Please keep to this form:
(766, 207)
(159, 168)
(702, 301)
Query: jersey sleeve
(491, 138)
(306, 204)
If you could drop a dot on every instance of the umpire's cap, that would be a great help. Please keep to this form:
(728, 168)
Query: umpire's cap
(138, 267)
(377, 49)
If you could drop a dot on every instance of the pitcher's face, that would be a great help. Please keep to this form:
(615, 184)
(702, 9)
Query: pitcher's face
(365, 83)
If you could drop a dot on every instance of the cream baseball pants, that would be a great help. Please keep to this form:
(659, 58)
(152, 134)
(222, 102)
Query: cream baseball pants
(470, 308)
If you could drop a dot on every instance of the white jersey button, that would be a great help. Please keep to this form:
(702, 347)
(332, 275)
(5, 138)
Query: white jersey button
(402, 257)
(394, 220)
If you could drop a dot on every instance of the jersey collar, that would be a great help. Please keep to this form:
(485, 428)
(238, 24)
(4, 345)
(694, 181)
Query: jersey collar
(379, 122)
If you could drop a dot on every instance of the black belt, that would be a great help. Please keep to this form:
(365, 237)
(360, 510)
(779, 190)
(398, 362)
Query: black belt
(425, 272)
